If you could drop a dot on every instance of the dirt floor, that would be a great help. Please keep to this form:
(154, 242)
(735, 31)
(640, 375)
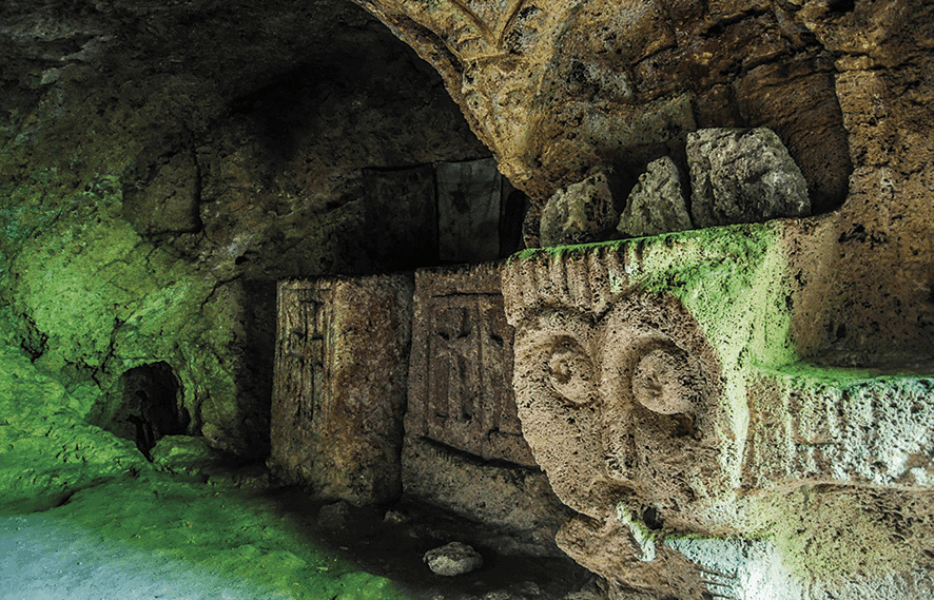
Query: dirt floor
(160, 536)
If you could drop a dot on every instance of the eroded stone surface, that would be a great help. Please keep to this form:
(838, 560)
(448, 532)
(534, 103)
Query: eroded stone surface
(460, 373)
(340, 387)
(656, 204)
(743, 176)
(516, 504)
(649, 421)
(582, 212)
(555, 88)
(615, 396)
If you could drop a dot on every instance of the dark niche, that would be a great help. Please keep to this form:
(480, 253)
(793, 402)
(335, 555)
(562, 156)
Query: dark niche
(150, 408)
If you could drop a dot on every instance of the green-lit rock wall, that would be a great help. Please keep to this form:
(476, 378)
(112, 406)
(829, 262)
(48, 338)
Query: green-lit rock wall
(160, 169)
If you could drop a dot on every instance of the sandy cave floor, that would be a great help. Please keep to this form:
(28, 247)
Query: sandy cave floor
(156, 536)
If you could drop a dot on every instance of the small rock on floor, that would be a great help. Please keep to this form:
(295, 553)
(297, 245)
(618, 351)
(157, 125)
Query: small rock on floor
(453, 559)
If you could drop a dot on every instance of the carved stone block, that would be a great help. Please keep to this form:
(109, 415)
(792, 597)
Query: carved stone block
(402, 215)
(653, 420)
(340, 385)
(460, 379)
(469, 206)
(617, 392)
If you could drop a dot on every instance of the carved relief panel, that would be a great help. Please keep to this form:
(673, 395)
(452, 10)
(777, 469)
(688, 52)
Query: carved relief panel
(339, 391)
(667, 429)
(460, 391)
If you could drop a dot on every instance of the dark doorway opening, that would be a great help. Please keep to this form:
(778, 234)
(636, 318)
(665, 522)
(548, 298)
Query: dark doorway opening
(150, 407)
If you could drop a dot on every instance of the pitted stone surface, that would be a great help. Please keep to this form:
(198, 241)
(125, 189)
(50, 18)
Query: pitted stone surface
(615, 397)
(656, 204)
(580, 213)
(743, 176)
(555, 88)
(339, 393)
(647, 427)
(460, 370)
(453, 559)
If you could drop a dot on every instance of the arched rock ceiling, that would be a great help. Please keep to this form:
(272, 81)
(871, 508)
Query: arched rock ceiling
(557, 86)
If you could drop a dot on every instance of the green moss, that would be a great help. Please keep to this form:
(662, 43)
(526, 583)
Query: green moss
(732, 280)
(79, 288)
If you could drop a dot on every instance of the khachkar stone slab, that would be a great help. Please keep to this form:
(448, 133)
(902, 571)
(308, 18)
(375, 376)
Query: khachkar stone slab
(657, 389)
(460, 378)
(340, 385)
(469, 210)
(464, 449)
(402, 215)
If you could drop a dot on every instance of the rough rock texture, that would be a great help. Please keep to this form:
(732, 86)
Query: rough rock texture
(616, 392)
(743, 176)
(658, 389)
(656, 204)
(582, 212)
(453, 559)
(555, 88)
(163, 166)
(339, 396)
(464, 449)
(516, 504)
(460, 370)
(164, 163)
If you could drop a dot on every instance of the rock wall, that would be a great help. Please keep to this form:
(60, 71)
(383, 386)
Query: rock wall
(560, 88)
(163, 166)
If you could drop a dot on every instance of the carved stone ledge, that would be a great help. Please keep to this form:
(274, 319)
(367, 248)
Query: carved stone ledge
(658, 388)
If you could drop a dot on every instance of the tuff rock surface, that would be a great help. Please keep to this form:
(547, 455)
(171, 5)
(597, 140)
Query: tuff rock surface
(163, 165)
(743, 177)
(656, 203)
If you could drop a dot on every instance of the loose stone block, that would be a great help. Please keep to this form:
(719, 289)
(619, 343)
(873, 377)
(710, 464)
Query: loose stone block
(460, 382)
(580, 213)
(340, 386)
(464, 449)
(743, 176)
(656, 204)
(453, 559)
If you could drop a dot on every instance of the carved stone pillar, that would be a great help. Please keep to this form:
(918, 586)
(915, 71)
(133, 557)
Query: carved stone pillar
(340, 388)
(464, 449)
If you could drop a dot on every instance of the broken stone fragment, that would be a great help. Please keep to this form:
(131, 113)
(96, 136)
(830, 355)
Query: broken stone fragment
(743, 176)
(656, 204)
(453, 559)
(580, 213)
